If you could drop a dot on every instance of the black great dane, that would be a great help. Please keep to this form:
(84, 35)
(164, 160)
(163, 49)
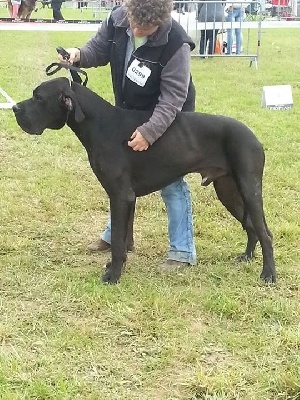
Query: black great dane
(224, 151)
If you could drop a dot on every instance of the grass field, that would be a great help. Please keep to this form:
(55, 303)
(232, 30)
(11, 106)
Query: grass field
(213, 332)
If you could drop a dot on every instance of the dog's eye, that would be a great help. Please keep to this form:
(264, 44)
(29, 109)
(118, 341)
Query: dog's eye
(38, 97)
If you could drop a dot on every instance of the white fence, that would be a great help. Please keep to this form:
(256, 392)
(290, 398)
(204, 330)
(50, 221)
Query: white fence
(231, 29)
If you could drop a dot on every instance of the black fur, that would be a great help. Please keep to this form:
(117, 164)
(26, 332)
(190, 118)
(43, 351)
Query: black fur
(223, 150)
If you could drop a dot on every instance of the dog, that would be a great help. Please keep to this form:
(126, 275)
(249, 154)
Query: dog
(223, 150)
(25, 10)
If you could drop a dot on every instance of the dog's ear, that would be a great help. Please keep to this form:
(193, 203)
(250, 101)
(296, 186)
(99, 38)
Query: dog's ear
(69, 100)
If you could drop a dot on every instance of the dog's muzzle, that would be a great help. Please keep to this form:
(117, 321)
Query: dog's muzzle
(23, 121)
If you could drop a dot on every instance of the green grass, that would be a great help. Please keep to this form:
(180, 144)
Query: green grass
(213, 332)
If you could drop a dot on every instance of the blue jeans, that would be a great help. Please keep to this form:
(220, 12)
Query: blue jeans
(236, 15)
(177, 199)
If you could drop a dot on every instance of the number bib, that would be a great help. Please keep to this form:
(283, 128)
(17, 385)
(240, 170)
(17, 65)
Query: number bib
(138, 73)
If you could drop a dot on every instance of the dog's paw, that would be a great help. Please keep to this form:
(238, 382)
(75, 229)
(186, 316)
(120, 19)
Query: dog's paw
(110, 276)
(268, 277)
(244, 257)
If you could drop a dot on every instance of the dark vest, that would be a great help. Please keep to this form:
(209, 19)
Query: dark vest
(133, 96)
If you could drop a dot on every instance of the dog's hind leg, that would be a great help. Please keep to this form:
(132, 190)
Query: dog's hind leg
(251, 192)
(229, 195)
(246, 205)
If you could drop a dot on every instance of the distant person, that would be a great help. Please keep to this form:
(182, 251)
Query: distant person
(45, 3)
(209, 12)
(278, 6)
(56, 6)
(15, 5)
(180, 8)
(235, 13)
(82, 4)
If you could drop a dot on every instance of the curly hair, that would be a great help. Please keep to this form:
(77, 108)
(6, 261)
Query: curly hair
(146, 13)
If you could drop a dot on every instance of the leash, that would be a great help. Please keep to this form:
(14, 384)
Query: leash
(75, 71)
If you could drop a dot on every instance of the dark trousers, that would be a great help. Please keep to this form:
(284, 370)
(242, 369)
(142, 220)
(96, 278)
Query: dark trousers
(82, 4)
(180, 7)
(56, 6)
(208, 35)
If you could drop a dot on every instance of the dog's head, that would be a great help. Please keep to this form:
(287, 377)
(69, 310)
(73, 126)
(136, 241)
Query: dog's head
(50, 106)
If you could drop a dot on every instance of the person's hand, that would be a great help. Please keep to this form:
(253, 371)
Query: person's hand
(138, 142)
(74, 55)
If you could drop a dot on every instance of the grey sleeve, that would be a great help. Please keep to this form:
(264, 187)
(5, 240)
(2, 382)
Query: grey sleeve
(175, 78)
(96, 52)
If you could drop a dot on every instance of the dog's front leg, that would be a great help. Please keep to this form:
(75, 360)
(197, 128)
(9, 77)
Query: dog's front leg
(130, 241)
(121, 210)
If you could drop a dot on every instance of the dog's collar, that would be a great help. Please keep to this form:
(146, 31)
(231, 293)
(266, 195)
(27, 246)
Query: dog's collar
(75, 71)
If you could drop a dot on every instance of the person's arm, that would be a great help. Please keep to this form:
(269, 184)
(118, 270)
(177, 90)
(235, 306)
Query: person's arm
(95, 53)
(175, 78)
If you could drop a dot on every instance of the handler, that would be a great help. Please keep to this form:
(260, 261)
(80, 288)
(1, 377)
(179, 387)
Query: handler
(56, 10)
(149, 56)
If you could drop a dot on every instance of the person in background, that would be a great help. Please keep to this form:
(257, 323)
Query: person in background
(209, 12)
(82, 4)
(143, 35)
(181, 8)
(15, 5)
(56, 10)
(235, 13)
